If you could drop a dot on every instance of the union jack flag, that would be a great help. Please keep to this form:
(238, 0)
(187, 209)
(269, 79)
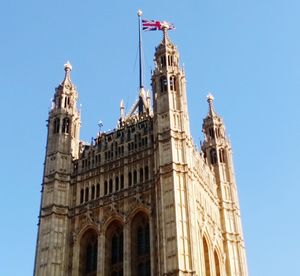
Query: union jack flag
(152, 25)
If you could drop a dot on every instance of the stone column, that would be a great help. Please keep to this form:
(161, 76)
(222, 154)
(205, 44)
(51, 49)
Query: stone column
(152, 243)
(127, 249)
(101, 255)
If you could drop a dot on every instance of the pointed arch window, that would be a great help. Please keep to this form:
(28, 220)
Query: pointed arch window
(88, 254)
(117, 183)
(211, 133)
(213, 156)
(110, 186)
(134, 177)
(81, 196)
(206, 258)
(93, 192)
(173, 83)
(122, 181)
(114, 250)
(105, 187)
(217, 264)
(129, 179)
(222, 155)
(86, 194)
(163, 61)
(141, 175)
(56, 124)
(66, 125)
(146, 172)
(140, 246)
(97, 190)
(163, 84)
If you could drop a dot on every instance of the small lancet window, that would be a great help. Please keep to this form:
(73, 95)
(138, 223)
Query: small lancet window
(129, 179)
(97, 190)
(141, 175)
(56, 124)
(146, 173)
(173, 83)
(211, 133)
(213, 156)
(170, 60)
(86, 194)
(110, 186)
(163, 84)
(117, 183)
(93, 193)
(81, 196)
(105, 187)
(163, 61)
(134, 177)
(66, 125)
(122, 181)
(222, 155)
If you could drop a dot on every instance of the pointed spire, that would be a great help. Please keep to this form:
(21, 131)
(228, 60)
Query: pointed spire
(210, 100)
(166, 38)
(122, 109)
(68, 69)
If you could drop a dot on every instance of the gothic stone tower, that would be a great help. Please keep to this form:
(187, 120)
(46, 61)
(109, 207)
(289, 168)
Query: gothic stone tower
(139, 200)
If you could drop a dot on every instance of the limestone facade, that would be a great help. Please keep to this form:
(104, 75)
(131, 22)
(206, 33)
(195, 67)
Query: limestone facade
(141, 199)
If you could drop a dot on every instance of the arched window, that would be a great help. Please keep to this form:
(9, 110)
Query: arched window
(217, 264)
(66, 125)
(117, 183)
(213, 156)
(129, 179)
(163, 61)
(140, 246)
(110, 186)
(206, 258)
(56, 124)
(98, 190)
(114, 250)
(222, 155)
(105, 187)
(146, 173)
(134, 177)
(86, 194)
(141, 175)
(122, 181)
(88, 254)
(173, 83)
(211, 133)
(163, 84)
(93, 192)
(81, 195)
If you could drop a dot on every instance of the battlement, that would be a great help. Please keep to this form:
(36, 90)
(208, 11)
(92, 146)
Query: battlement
(131, 137)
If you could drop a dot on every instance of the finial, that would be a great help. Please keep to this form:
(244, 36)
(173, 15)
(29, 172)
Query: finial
(68, 66)
(139, 13)
(122, 109)
(210, 100)
(122, 104)
(68, 69)
(165, 33)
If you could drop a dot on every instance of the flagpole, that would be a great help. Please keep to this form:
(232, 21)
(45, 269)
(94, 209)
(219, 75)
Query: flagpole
(140, 49)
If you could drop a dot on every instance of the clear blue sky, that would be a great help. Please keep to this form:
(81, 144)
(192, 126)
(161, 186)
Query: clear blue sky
(246, 52)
